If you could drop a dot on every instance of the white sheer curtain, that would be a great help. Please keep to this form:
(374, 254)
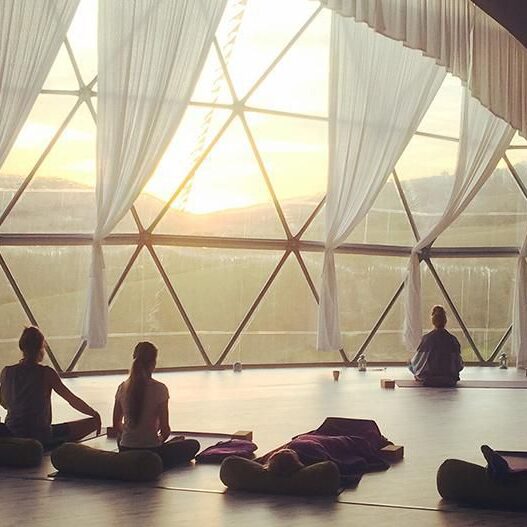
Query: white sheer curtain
(519, 311)
(442, 29)
(483, 140)
(379, 92)
(31, 34)
(151, 53)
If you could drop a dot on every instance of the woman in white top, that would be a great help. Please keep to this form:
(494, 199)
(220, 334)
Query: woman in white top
(140, 413)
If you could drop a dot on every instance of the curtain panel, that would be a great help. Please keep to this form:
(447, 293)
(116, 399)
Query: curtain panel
(441, 29)
(151, 53)
(519, 311)
(31, 34)
(379, 92)
(483, 140)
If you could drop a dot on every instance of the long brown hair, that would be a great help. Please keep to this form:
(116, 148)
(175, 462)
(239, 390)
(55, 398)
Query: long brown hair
(31, 343)
(145, 355)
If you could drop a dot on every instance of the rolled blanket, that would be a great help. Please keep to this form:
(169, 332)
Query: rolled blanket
(83, 461)
(471, 484)
(19, 452)
(321, 479)
(234, 447)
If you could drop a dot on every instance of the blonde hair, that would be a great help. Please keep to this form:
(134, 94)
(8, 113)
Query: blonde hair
(145, 356)
(439, 316)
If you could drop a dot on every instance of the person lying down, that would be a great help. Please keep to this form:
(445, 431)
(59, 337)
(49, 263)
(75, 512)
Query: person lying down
(437, 361)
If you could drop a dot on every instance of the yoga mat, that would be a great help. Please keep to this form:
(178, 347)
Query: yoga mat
(517, 461)
(409, 383)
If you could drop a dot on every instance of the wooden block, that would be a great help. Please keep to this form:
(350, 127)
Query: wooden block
(392, 453)
(388, 384)
(111, 432)
(243, 434)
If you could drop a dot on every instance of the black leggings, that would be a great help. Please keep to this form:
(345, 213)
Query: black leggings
(173, 452)
(61, 433)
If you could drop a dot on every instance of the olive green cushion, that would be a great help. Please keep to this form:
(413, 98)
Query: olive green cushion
(18, 452)
(321, 479)
(83, 461)
(470, 484)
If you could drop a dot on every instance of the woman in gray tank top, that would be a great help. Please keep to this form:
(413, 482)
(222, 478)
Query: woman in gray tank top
(25, 392)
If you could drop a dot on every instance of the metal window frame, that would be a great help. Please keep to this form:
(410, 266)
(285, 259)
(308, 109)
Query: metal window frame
(146, 237)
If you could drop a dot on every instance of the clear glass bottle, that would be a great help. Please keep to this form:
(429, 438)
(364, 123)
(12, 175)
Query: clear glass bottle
(361, 363)
(237, 367)
(503, 361)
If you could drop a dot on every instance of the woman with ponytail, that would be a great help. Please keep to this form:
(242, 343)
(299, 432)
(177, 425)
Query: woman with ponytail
(437, 361)
(140, 414)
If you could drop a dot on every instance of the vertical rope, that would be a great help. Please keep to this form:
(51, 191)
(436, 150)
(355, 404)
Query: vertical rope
(233, 29)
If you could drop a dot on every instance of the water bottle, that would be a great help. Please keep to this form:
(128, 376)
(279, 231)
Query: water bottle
(361, 363)
(503, 361)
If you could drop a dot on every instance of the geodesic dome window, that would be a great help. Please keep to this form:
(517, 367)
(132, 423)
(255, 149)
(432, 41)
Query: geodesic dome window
(219, 260)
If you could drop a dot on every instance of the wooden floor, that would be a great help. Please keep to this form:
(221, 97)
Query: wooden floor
(432, 424)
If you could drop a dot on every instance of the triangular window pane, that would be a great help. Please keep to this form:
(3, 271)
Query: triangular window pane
(127, 225)
(387, 344)
(144, 310)
(518, 159)
(444, 115)
(13, 321)
(432, 295)
(212, 85)
(82, 37)
(47, 114)
(283, 328)
(427, 164)
(519, 140)
(482, 290)
(58, 298)
(227, 196)
(386, 223)
(217, 287)
(497, 216)
(61, 195)
(295, 156)
(261, 37)
(299, 82)
(316, 229)
(197, 129)
(61, 76)
(366, 285)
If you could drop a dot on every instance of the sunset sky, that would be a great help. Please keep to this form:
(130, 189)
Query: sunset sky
(294, 150)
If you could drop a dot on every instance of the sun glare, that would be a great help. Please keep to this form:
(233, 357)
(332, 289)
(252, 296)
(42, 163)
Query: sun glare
(293, 150)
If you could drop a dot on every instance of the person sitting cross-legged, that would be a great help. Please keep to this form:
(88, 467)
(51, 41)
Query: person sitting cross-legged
(437, 361)
(25, 392)
(140, 414)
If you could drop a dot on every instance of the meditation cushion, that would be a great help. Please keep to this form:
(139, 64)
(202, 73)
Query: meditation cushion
(439, 381)
(471, 484)
(81, 460)
(321, 479)
(233, 447)
(18, 452)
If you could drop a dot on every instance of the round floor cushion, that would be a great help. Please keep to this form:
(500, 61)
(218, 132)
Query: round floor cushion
(83, 461)
(320, 479)
(470, 484)
(18, 452)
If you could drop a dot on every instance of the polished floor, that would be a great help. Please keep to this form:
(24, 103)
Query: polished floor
(432, 424)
